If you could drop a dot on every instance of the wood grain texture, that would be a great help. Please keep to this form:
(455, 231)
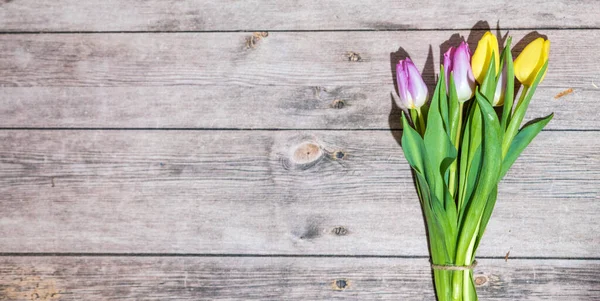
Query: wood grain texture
(194, 15)
(290, 80)
(291, 185)
(273, 192)
(235, 278)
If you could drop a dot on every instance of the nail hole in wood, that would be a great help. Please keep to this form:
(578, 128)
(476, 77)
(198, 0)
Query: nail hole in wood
(338, 104)
(339, 155)
(340, 231)
(340, 284)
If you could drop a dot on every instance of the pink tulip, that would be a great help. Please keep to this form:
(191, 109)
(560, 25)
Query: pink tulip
(458, 61)
(411, 87)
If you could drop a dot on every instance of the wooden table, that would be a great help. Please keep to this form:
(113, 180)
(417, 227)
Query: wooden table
(221, 150)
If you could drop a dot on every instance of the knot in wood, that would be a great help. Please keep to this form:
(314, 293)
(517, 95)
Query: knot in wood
(338, 104)
(261, 34)
(251, 41)
(353, 56)
(307, 153)
(480, 280)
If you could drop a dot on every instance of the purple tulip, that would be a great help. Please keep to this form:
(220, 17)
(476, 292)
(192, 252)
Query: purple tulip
(458, 61)
(411, 87)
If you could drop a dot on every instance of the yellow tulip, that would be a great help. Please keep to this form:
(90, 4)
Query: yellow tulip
(531, 60)
(487, 46)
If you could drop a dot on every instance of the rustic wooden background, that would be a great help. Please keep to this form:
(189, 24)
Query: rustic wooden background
(221, 150)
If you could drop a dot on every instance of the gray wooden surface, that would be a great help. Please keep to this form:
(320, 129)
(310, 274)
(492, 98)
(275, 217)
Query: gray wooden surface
(149, 151)
(183, 191)
(211, 80)
(202, 15)
(282, 278)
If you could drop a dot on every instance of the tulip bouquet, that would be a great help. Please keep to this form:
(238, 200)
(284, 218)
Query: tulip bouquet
(463, 142)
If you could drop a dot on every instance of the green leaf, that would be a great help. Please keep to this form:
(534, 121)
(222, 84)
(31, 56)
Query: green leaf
(437, 239)
(464, 156)
(443, 98)
(474, 168)
(448, 224)
(522, 139)
(428, 165)
(415, 153)
(489, 82)
(453, 108)
(470, 158)
(488, 178)
(437, 236)
(452, 214)
(440, 150)
(413, 147)
(487, 213)
(510, 86)
(440, 153)
(520, 111)
(454, 121)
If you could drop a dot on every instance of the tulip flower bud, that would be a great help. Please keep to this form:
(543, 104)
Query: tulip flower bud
(531, 60)
(500, 87)
(411, 87)
(487, 46)
(458, 61)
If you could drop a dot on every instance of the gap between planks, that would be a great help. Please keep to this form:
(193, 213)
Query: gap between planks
(290, 30)
(237, 129)
(68, 254)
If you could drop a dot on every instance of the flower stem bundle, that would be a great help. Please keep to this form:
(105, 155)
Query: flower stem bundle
(461, 144)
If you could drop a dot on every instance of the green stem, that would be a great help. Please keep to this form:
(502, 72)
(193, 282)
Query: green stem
(466, 156)
(456, 141)
(421, 120)
(457, 286)
(513, 126)
(457, 279)
(415, 119)
(443, 287)
(461, 280)
(470, 256)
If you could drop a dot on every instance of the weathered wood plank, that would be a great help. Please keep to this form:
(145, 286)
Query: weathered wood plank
(252, 278)
(156, 15)
(290, 80)
(273, 107)
(272, 192)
